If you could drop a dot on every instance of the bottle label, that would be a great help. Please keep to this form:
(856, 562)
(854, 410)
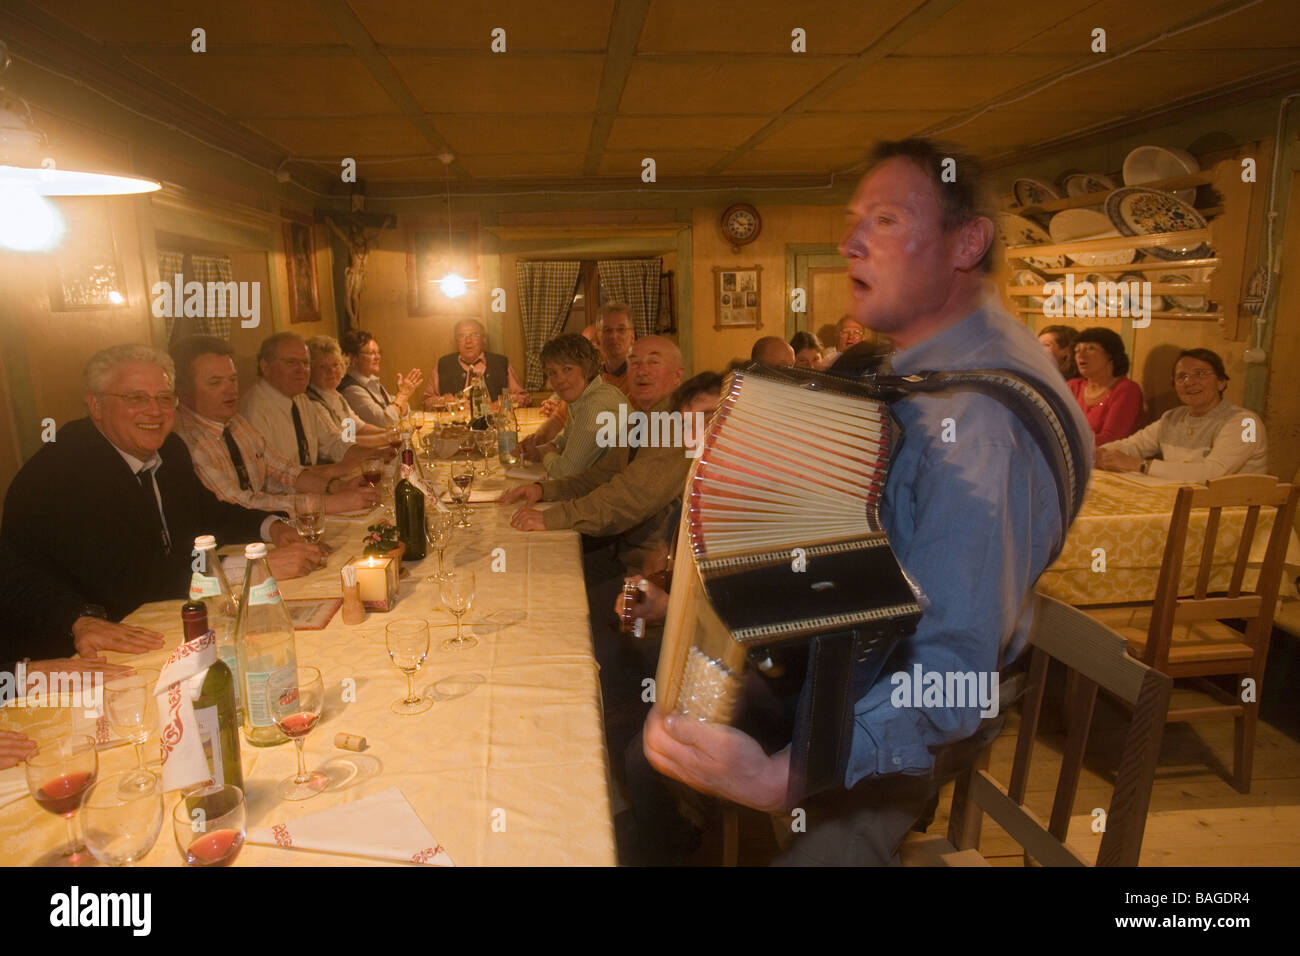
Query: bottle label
(256, 713)
(506, 441)
(210, 734)
(203, 586)
(268, 592)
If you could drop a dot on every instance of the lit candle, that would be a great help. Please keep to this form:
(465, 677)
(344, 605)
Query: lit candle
(372, 580)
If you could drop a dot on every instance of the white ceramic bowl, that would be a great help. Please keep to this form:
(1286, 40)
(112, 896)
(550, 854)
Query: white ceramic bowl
(1149, 163)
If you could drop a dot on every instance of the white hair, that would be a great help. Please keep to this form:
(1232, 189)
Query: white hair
(100, 368)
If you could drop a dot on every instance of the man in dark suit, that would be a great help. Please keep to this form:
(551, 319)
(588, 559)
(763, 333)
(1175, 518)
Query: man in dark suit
(110, 509)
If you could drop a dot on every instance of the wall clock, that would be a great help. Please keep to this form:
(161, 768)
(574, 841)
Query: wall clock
(741, 225)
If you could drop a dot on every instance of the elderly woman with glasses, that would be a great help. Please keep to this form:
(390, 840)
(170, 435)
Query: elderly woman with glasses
(1110, 401)
(362, 387)
(327, 370)
(1206, 437)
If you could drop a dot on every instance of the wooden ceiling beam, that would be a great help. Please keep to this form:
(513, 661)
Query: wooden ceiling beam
(624, 31)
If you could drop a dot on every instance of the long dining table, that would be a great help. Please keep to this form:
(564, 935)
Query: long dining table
(508, 767)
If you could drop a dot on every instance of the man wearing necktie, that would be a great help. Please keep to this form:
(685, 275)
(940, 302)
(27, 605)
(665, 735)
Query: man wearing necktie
(111, 506)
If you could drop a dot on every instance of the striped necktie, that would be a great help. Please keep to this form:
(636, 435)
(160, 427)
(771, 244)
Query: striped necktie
(304, 450)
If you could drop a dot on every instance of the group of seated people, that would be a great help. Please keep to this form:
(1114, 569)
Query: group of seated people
(1205, 437)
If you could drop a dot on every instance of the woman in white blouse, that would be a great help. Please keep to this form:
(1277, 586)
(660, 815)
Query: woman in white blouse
(1204, 438)
(327, 369)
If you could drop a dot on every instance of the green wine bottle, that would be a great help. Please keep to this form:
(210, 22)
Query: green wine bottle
(214, 706)
(409, 506)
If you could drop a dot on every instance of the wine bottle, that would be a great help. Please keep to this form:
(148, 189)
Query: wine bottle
(507, 432)
(409, 506)
(213, 694)
(480, 405)
(264, 643)
(209, 585)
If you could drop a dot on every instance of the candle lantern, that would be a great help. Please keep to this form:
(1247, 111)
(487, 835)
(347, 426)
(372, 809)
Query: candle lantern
(376, 580)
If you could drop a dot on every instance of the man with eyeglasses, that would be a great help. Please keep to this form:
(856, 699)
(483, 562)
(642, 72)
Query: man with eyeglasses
(617, 336)
(278, 407)
(1205, 437)
(452, 371)
(111, 507)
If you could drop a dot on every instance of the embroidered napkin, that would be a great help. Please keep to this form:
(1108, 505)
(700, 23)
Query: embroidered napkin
(382, 826)
(183, 759)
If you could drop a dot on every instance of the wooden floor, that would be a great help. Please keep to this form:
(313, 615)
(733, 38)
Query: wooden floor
(1196, 817)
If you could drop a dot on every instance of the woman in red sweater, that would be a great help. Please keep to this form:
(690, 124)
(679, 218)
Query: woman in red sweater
(1112, 403)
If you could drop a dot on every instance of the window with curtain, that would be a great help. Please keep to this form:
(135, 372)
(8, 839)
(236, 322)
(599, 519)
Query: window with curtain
(203, 269)
(636, 282)
(545, 291)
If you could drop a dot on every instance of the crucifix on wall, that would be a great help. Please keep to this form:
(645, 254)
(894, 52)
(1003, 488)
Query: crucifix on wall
(359, 232)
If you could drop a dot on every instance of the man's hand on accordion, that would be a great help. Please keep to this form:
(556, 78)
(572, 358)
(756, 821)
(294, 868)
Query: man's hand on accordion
(717, 760)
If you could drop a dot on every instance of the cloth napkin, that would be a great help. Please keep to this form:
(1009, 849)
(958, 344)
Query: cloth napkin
(382, 826)
(533, 472)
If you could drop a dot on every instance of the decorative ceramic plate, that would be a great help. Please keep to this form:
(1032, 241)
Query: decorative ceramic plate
(1158, 303)
(1147, 164)
(1072, 225)
(1016, 230)
(1080, 184)
(1033, 192)
(1192, 303)
(1137, 211)
(1029, 277)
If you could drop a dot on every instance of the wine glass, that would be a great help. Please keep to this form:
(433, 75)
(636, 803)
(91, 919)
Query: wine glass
(121, 819)
(294, 701)
(372, 469)
(58, 776)
(439, 526)
(486, 441)
(309, 512)
(133, 711)
(462, 480)
(408, 646)
(208, 825)
(417, 419)
(458, 596)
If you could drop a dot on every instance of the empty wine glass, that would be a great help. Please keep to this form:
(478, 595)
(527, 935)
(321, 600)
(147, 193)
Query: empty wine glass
(58, 776)
(209, 826)
(439, 527)
(458, 596)
(462, 480)
(121, 819)
(294, 700)
(309, 515)
(408, 646)
(485, 440)
(133, 711)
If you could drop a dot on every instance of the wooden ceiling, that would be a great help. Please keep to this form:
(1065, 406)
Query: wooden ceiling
(710, 89)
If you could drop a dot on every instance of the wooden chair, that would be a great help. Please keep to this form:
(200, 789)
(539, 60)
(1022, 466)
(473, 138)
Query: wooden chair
(1183, 636)
(1097, 656)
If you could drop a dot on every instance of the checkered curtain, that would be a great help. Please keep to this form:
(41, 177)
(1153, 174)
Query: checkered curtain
(170, 263)
(545, 292)
(203, 269)
(636, 282)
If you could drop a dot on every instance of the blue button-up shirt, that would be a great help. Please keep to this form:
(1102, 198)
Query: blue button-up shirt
(971, 509)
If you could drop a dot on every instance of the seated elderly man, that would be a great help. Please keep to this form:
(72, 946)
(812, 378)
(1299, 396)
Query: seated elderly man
(629, 492)
(771, 350)
(848, 333)
(361, 386)
(452, 371)
(110, 509)
(278, 407)
(231, 457)
(1204, 438)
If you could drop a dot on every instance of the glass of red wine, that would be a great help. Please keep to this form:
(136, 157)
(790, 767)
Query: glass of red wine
(209, 826)
(372, 469)
(294, 701)
(408, 646)
(121, 819)
(58, 776)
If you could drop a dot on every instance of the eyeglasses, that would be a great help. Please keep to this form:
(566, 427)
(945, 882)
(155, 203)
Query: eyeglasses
(137, 401)
(1200, 373)
(295, 363)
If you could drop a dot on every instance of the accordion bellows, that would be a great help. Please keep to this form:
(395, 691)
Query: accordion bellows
(781, 531)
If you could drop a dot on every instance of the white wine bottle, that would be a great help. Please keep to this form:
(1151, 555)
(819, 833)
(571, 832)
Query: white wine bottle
(208, 584)
(213, 694)
(264, 643)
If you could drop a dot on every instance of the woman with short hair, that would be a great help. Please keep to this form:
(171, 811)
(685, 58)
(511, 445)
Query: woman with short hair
(572, 367)
(1111, 402)
(327, 370)
(361, 385)
(807, 352)
(1205, 437)
(1059, 341)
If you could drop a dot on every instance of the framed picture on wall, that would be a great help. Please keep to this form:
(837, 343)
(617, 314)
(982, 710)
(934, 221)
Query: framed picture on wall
(736, 297)
(86, 272)
(430, 255)
(300, 265)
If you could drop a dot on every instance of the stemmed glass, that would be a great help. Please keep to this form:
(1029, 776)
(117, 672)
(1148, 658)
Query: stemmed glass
(58, 776)
(309, 512)
(439, 526)
(372, 469)
(462, 480)
(294, 701)
(417, 419)
(133, 712)
(408, 646)
(486, 440)
(121, 819)
(209, 826)
(458, 596)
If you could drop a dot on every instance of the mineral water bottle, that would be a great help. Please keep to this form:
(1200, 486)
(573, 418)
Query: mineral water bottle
(264, 643)
(208, 584)
(507, 432)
